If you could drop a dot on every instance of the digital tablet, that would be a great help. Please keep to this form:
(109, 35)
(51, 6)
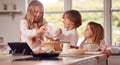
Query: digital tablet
(20, 48)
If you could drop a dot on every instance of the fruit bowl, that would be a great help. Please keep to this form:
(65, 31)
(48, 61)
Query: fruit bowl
(56, 45)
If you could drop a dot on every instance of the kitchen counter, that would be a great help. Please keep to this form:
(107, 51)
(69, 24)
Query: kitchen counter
(99, 59)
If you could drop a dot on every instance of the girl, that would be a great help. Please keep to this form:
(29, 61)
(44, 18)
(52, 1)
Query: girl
(31, 26)
(94, 34)
(72, 20)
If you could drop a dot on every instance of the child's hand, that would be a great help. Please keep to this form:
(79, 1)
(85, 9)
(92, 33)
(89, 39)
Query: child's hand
(107, 52)
(58, 32)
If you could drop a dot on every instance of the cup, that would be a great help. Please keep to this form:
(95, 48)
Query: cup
(1, 6)
(65, 48)
(11, 6)
(5, 6)
(4, 48)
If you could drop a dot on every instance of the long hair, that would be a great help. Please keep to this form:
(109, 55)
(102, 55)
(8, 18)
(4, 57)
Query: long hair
(30, 16)
(30, 11)
(74, 16)
(98, 32)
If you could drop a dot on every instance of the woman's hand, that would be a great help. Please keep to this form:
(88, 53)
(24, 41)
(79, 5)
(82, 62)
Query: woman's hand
(41, 30)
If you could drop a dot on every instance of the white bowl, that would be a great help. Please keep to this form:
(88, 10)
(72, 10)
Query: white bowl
(91, 47)
(115, 49)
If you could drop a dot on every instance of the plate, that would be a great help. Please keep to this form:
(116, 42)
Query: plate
(98, 52)
(46, 55)
(73, 52)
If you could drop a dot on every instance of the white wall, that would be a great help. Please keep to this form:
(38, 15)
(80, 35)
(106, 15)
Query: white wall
(9, 28)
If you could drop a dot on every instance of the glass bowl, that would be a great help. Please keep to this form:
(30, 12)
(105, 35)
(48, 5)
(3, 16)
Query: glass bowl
(51, 29)
(91, 47)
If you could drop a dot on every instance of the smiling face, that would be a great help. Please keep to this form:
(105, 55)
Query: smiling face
(38, 13)
(88, 32)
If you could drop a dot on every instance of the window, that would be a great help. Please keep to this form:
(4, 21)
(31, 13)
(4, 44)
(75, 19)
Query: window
(87, 17)
(116, 22)
(54, 10)
(53, 5)
(87, 4)
(91, 10)
(55, 18)
(115, 4)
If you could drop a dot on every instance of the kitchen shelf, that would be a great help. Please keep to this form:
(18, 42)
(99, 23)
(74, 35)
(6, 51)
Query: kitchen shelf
(10, 11)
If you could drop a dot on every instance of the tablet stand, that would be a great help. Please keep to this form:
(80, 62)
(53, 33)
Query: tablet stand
(15, 53)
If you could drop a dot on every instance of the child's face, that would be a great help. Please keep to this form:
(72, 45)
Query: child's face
(88, 32)
(67, 23)
(38, 13)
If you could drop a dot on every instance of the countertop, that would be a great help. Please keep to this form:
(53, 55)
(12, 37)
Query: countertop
(85, 59)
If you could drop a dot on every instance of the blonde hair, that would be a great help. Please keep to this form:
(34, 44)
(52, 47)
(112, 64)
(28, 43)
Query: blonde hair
(98, 32)
(30, 11)
(30, 16)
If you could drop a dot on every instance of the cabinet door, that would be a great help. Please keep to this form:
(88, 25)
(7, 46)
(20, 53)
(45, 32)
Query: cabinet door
(114, 60)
